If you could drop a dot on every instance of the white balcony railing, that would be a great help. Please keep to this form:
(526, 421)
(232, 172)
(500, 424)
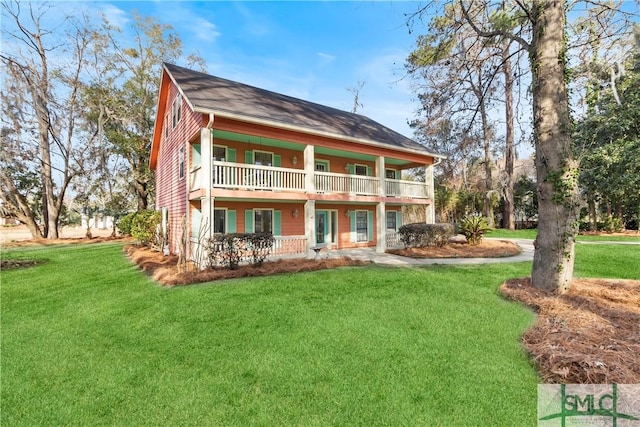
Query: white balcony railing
(327, 182)
(410, 189)
(256, 177)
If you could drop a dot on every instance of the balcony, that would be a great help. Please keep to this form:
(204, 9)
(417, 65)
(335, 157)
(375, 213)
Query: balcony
(240, 176)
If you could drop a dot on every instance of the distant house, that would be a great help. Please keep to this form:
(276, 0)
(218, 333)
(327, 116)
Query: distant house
(235, 158)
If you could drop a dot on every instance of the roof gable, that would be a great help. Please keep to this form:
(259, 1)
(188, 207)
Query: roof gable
(210, 94)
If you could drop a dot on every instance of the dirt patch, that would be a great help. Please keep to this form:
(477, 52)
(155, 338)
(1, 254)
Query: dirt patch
(164, 269)
(591, 335)
(10, 264)
(485, 249)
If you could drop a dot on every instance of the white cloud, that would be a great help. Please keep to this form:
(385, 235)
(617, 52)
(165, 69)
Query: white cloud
(205, 30)
(325, 58)
(115, 16)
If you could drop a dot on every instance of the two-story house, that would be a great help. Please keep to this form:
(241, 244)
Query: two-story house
(235, 158)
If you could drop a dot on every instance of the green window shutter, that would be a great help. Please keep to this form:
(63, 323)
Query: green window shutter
(248, 221)
(231, 221)
(352, 225)
(277, 223)
(369, 171)
(195, 154)
(195, 222)
(398, 219)
(370, 224)
(277, 160)
(352, 171)
(398, 174)
(248, 157)
(231, 153)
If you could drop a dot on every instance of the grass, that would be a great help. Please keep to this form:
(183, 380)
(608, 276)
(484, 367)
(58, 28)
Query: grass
(88, 339)
(607, 261)
(531, 234)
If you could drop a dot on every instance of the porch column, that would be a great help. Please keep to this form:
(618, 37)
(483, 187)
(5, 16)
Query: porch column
(310, 224)
(428, 182)
(206, 202)
(309, 169)
(381, 228)
(382, 190)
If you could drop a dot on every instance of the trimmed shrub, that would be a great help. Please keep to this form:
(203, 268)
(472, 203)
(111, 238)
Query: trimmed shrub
(228, 250)
(473, 227)
(144, 227)
(419, 235)
(124, 225)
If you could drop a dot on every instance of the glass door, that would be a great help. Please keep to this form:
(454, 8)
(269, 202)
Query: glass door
(321, 227)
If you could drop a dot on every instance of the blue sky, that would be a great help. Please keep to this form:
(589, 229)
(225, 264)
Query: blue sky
(311, 50)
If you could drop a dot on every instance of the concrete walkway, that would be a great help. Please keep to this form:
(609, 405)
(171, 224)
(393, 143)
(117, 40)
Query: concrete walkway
(369, 254)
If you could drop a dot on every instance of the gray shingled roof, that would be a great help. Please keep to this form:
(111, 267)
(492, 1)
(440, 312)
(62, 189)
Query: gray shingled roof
(208, 93)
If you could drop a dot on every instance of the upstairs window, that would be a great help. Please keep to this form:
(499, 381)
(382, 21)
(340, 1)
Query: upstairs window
(219, 153)
(361, 170)
(176, 110)
(262, 158)
(181, 162)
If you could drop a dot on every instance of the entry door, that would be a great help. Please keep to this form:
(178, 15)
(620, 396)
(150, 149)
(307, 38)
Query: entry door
(321, 227)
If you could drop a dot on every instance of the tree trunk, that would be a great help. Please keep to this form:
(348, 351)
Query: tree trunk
(556, 170)
(593, 217)
(488, 179)
(508, 220)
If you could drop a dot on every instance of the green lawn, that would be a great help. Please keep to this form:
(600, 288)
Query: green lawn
(531, 234)
(88, 339)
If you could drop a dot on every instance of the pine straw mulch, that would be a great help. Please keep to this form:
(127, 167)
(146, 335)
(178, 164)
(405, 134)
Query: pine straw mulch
(590, 335)
(64, 241)
(164, 269)
(462, 249)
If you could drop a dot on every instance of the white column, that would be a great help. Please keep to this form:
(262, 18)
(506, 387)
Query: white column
(310, 224)
(206, 202)
(428, 182)
(309, 169)
(381, 228)
(382, 190)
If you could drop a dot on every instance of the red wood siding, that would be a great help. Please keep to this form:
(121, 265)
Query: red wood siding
(171, 190)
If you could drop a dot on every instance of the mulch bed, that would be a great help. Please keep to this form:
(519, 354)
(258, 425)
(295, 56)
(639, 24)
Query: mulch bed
(590, 335)
(485, 249)
(64, 241)
(164, 269)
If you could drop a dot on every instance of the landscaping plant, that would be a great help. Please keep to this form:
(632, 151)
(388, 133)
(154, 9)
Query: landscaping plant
(473, 227)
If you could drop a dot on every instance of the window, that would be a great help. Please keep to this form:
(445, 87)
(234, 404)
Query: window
(181, 162)
(219, 221)
(322, 166)
(361, 170)
(176, 110)
(263, 221)
(392, 221)
(390, 174)
(219, 153)
(262, 158)
(362, 230)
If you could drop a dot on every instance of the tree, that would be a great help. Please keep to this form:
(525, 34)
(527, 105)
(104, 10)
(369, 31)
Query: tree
(607, 140)
(43, 69)
(457, 78)
(540, 29)
(126, 90)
